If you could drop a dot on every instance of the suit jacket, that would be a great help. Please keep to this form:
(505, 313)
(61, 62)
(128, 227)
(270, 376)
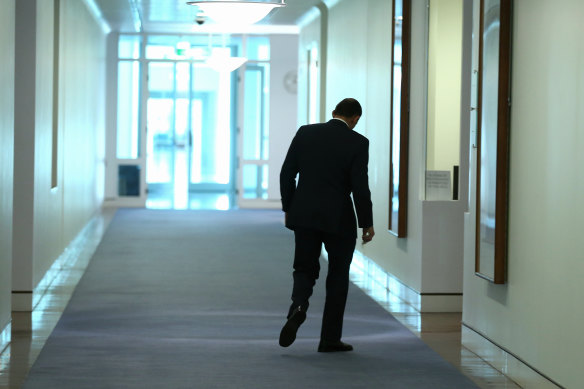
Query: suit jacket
(332, 162)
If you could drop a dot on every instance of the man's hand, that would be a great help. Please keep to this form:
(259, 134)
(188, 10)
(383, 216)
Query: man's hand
(368, 234)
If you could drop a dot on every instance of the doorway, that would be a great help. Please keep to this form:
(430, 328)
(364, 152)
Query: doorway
(189, 136)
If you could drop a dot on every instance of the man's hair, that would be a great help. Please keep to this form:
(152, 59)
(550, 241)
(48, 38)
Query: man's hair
(348, 108)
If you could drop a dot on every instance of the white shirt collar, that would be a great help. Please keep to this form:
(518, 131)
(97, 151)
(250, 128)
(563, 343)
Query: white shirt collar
(341, 120)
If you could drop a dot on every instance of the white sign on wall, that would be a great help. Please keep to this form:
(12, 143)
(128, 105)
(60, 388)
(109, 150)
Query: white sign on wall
(438, 185)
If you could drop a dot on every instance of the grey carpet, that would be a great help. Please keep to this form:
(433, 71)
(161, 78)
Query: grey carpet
(196, 299)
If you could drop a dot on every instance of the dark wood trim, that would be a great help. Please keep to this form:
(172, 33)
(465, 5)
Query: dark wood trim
(479, 128)
(503, 124)
(405, 121)
(501, 213)
(390, 218)
(401, 229)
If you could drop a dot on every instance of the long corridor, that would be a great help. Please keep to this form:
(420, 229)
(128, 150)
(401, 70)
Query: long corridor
(195, 299)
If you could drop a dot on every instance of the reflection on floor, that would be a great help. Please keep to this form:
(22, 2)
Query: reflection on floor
(177, 178)
(31, 330)
(441, 331)
(194, 200)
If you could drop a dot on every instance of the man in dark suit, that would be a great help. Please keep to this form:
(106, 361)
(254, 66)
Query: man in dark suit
(331, 160)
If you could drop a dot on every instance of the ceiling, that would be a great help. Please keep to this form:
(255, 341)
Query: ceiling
(171, 16)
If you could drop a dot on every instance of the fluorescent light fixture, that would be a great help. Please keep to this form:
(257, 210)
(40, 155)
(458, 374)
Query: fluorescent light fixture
(232, 12)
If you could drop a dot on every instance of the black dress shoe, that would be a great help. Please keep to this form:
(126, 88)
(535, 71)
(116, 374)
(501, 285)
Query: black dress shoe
(329, 347)
(288, 333)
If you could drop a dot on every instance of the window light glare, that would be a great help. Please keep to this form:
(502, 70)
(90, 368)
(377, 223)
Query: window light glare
(222, 61)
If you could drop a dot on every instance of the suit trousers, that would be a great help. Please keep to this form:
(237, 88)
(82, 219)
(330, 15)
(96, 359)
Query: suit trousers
(306, 271)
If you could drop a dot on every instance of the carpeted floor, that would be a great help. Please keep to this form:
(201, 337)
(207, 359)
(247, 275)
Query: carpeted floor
(196, 299)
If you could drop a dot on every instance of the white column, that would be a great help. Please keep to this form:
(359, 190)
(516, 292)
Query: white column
(24, 151)
(6, 163)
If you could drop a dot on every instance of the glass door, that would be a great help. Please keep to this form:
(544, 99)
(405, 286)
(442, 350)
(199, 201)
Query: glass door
(189, 135)
(211, 124)
(254, 139)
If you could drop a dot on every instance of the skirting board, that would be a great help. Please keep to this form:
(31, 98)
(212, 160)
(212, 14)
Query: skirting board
(379, 284)
(124, 202)
(260, 204)
(90, 235)
(514, 368)
(24, 301)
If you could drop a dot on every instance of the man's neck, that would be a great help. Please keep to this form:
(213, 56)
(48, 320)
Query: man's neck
(341, 119)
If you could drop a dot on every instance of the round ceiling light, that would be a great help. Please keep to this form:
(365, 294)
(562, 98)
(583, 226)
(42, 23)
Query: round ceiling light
(233, 12)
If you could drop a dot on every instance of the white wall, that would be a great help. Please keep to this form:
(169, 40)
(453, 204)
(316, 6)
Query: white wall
(24, 145)
(83, 115)
(283, 103)
(359, 58)
(6, 156)
(347, 57)
(67, 98)
(47, 208)
(444, 84)
(538, 314)
(447, 129)
(359, 65)
(309, 35)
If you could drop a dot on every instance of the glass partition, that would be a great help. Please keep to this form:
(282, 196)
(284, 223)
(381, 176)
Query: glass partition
(255, 181)
(212, 100)
(258, 48)
(256, 136)
(128, 123)
(129, 46)
(189, 124)
(190, 47)
(177, 117)
(313, 85)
